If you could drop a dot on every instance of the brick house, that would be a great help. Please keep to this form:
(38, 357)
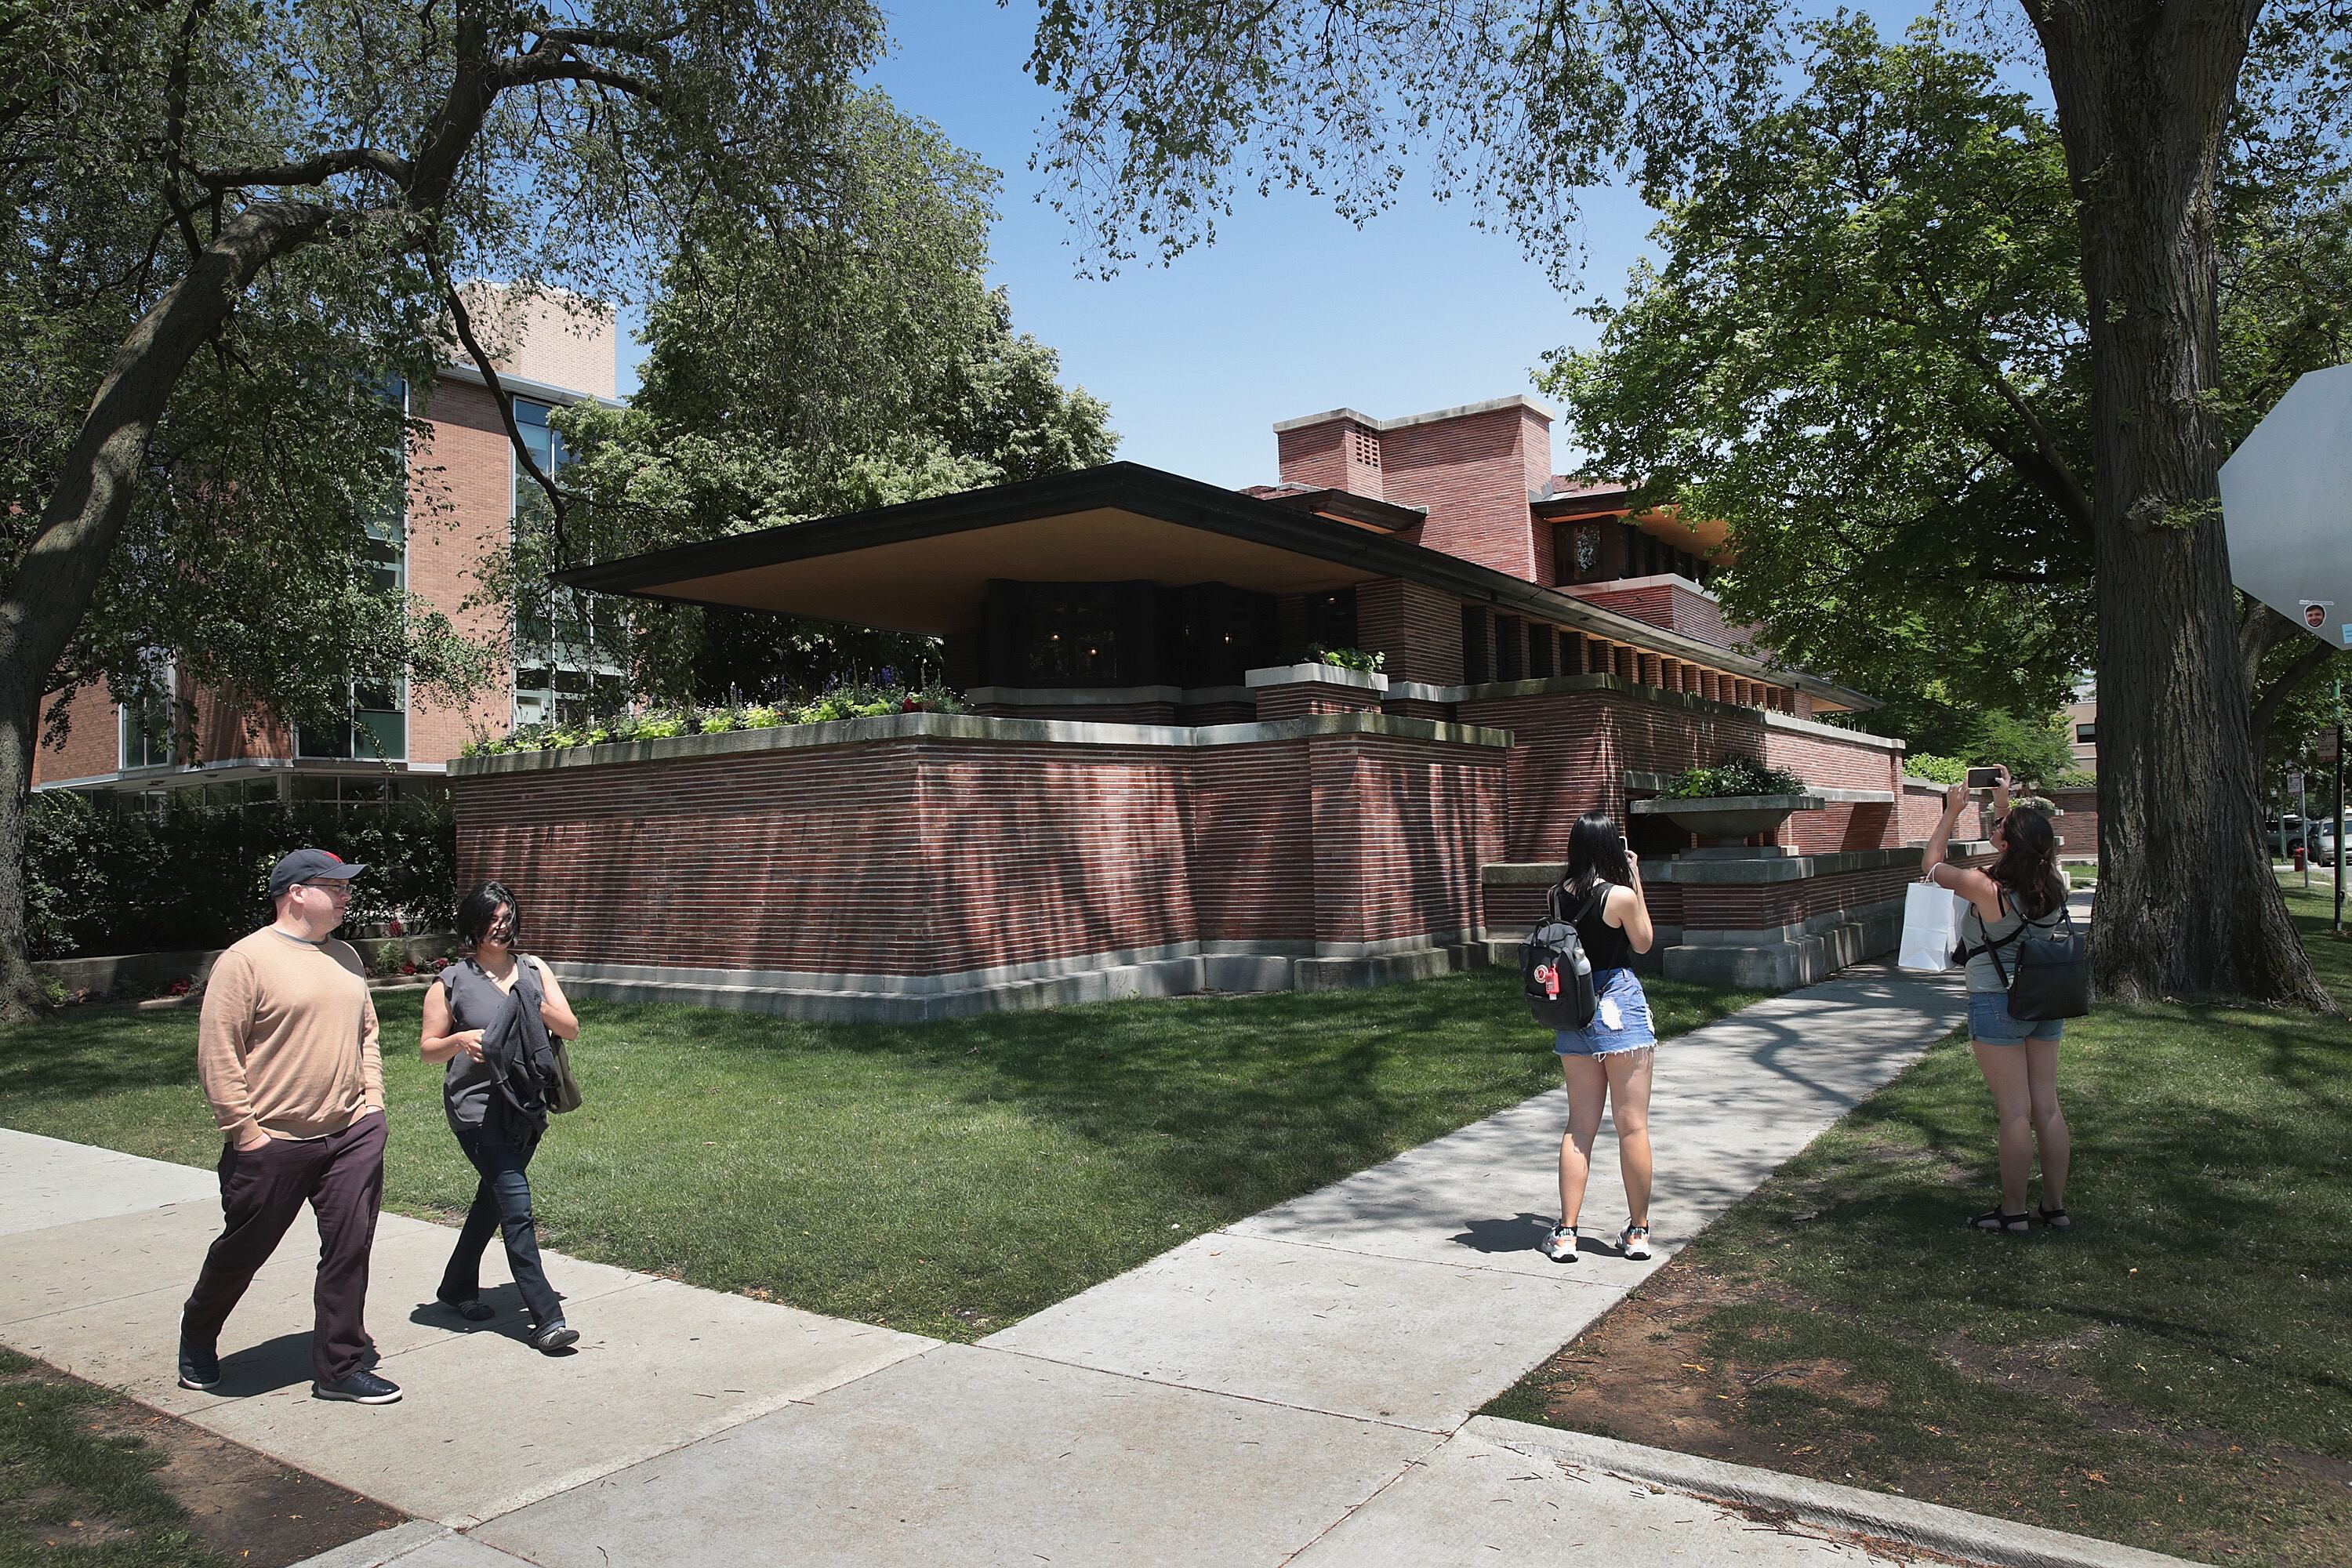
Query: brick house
(464, 498)
(1154, 792)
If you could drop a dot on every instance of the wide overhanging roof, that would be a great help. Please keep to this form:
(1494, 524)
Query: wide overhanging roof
(925, 566)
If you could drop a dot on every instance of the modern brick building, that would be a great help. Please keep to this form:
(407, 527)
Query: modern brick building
(1156, 792)
(464, 500)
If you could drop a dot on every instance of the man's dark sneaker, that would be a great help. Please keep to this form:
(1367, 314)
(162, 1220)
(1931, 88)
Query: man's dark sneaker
(554, 1337)
(199, 1367)
(359, 1388)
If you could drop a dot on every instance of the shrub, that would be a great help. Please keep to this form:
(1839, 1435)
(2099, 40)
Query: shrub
(101, 879)
(1934, 769)
(1346, 658)
(1736, 776)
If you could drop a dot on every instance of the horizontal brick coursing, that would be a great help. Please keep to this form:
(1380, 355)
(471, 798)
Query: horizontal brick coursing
(1315, 697)
(920, 858)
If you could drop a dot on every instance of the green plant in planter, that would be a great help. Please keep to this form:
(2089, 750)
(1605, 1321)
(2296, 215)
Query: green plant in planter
(660, 726)
(1735, 776)
(1934, 769)
(1346, 658)
(718, 720)
(764, 717)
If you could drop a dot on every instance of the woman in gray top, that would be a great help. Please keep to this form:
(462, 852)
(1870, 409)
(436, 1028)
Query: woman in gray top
(2022, 890)
(494, 993)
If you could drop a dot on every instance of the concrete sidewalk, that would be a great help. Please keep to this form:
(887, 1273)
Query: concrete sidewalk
(1296, 1388)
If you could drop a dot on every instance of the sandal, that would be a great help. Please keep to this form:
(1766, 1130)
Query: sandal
(1996, 1220)
(2055, 1218)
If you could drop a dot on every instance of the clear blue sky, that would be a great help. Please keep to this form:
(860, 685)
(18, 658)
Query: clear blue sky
(1292, 311)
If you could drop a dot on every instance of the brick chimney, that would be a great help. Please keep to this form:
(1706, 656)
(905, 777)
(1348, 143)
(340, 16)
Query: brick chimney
(1473, 469)
(1336, 451)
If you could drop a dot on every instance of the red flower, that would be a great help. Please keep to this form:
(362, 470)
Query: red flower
(393, 928)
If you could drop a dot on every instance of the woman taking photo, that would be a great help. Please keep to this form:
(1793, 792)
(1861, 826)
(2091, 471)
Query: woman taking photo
(2023, 890)
(497, 994)
(1606, 1064)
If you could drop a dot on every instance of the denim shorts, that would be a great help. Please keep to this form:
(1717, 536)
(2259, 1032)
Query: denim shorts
(1618, 994)
(1989, 1021)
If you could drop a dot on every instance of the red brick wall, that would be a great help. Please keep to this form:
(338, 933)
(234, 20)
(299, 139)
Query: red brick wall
(1832, 763)
(461, 512)
(1315, 697)
(1338, 454)
(93, 744)
(1472, 473)
(2077, 825)
(1419, 628)
(1400, 830)
(835, 856)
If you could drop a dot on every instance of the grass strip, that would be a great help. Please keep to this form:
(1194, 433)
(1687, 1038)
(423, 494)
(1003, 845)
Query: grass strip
(2176, 1373)
(946, 1179)
(74, 1498)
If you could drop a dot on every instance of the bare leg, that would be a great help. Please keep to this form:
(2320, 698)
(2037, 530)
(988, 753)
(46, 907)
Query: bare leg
(2004, 1073)
(1588, 1093)
(1629, 1112)
(2049, 1134)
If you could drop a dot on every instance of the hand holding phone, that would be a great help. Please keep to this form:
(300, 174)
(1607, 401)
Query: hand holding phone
(1983, 778)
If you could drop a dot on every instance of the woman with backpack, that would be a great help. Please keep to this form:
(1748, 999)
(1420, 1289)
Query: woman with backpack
(489, 1016)
(2023, 892)
(1606, 1064)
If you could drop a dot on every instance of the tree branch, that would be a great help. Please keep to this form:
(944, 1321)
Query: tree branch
(2266, 707)
(464, 322)
(311, 171)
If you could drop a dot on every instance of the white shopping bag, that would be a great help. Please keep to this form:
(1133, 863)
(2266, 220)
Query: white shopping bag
(1931, 927)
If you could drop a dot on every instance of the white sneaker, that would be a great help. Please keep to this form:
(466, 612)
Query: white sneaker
(1633, 1241)
(1560, 1244)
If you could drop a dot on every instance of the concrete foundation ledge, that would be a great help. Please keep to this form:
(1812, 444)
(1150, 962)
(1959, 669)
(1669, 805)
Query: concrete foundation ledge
(1970, 1537)
(1785, 962)
(921, 1000)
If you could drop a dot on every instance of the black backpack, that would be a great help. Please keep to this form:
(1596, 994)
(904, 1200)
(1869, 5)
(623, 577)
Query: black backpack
(1555, 973)
(2053, 974)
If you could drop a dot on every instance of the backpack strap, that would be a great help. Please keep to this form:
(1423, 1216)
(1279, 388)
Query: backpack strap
(1599, 890)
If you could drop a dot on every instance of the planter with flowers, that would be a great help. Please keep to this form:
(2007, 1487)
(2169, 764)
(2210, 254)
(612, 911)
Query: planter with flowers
(1732, 802)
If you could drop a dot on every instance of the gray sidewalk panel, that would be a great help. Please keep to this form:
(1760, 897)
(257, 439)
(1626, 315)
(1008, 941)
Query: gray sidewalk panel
(487, 1424)
(1728, 1103)
(1377, 1337)
(966, 1455)
(1476, 1503)
(46, 1181)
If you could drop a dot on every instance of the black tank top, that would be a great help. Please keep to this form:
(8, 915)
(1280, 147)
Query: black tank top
(1606, 945)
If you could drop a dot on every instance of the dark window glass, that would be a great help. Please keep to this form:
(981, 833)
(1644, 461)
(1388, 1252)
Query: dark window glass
(1509, 663)
(1476, 666)
(1331, 618)
(1069, 634)
(1541, 641)
(2086, 734)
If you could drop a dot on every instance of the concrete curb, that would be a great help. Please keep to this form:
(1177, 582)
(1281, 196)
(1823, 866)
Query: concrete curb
(384, 1547)
(1974, 1538)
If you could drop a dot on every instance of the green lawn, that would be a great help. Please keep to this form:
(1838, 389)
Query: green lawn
(2177, 1373)
(945, 1179)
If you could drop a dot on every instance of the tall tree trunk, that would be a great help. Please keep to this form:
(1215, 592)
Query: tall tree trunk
(2188, 904)
(59, 574)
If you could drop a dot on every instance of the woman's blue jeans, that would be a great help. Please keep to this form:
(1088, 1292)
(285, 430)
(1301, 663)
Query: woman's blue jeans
(502, 1204)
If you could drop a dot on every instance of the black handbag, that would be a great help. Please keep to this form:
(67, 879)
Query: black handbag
(2053, 974)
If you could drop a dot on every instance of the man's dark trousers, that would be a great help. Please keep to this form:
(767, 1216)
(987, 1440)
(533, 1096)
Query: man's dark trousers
(341, 1178)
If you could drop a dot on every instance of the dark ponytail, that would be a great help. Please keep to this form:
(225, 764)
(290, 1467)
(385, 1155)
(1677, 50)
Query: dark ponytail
(1596, 853)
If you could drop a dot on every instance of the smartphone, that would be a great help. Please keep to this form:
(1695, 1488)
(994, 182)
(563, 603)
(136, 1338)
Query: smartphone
(1983, 778)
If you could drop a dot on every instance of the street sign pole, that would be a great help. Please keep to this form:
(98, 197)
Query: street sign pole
(2302, 809)
(2338, 839)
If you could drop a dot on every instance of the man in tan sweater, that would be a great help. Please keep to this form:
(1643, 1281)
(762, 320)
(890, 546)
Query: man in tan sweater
(287, 1054)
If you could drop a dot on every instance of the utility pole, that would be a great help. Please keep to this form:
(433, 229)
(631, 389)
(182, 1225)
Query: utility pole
(2336, 838)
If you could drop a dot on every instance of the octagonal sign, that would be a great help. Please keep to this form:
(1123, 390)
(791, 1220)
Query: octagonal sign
(2286, 503)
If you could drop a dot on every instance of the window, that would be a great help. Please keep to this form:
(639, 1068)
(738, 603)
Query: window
(1541, 642)
(1575, 553)
(1331, 618)
(1070, 633)
(1221, 632)
(145, 721)
(375, 726)
(2086, 734)
(1508, 648)
(570, 649)
(1477, 663)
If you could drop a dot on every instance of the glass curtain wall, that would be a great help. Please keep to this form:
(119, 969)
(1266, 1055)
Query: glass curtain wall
(571, 652)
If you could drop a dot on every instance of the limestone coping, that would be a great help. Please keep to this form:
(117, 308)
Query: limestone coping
(1315, 674)
(1104, 696)
(1727, 872)
(1486, 691)
(973, 727)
